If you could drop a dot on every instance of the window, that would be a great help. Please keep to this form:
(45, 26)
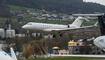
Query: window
(101, 40)
(29, 24)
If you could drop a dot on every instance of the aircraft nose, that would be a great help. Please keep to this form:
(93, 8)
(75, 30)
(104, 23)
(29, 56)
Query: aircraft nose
(95, 41)
(99, 42)
(24, 27)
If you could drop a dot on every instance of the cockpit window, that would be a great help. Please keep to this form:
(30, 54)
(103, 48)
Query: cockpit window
(102, 40)
(29, 24)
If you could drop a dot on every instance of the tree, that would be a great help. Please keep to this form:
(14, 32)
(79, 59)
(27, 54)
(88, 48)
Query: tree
(37, 47)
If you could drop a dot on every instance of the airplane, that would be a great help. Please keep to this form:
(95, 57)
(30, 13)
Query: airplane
(56, 27)
(5, 56)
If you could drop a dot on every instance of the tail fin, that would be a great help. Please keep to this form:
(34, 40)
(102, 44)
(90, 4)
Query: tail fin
(78, 22)
(13, 54)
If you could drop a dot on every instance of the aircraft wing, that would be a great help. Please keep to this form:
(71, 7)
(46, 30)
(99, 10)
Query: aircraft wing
(87, 26)
(95, 25)
(67, 29)
(55, 29)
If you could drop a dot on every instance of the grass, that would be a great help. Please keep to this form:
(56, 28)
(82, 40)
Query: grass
(68, 58)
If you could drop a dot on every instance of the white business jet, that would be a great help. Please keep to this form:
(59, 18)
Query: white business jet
(56, 27)
(5, 56)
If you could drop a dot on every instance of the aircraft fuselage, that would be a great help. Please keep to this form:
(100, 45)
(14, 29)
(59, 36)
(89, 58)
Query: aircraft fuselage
(43, 26)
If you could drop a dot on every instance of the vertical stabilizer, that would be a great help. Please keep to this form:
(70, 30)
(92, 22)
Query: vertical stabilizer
(78, 22)
(13, 54)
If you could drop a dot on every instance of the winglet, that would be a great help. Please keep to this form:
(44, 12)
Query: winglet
(96, 24)
(13, 54)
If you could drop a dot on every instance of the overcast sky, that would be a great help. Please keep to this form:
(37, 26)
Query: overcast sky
(96, 1)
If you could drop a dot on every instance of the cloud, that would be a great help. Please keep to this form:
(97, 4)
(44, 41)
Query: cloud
(96, 1)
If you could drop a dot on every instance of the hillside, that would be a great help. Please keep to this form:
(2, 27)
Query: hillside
(4, 11)
(65, 6)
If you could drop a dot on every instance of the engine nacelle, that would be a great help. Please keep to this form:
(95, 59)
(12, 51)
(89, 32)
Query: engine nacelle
(100, 42)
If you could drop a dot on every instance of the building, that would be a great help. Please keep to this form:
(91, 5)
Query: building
(10, 33)
(2, 33)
